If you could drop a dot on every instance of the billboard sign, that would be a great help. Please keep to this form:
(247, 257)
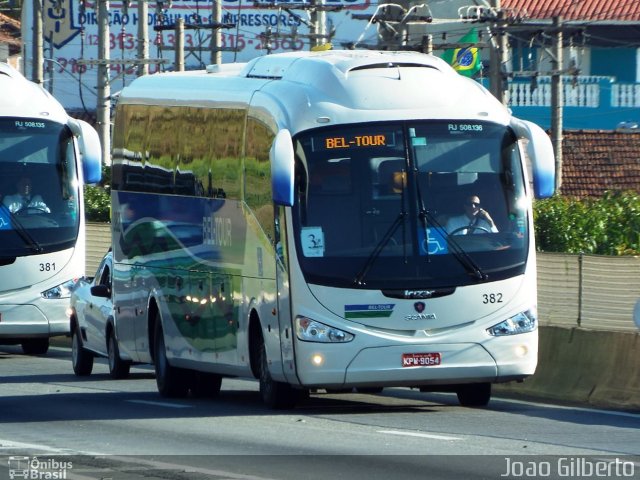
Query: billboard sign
(70, 29)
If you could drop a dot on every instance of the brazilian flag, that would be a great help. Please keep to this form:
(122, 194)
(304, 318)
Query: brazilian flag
(466, 61)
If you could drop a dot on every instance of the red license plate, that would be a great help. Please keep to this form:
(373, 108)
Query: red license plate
(421, 359)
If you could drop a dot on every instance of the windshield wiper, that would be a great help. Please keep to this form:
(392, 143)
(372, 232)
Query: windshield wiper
(459, 253)
(384, 240)
(379, 247)
(23, 233)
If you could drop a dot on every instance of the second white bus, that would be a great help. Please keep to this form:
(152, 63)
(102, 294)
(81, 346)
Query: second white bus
(286, 219)
(42, 236)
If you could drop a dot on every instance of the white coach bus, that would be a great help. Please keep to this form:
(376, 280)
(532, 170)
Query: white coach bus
(45, 156)
(289, 219)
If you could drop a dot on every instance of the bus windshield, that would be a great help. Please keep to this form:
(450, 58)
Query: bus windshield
(416, 204)
(39, 207)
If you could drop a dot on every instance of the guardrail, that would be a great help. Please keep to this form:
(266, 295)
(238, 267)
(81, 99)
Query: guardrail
(98, 243)
(591, 291)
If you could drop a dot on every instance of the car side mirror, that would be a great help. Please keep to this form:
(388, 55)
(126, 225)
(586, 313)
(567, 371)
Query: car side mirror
(101, 291)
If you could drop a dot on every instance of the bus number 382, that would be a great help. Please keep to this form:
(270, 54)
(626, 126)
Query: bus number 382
(492, 298)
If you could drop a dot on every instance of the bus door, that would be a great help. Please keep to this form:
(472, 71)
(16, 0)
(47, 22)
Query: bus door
(284, 303)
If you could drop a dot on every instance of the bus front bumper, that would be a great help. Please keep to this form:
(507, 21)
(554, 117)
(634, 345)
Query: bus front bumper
(28, 321)
(388, 366)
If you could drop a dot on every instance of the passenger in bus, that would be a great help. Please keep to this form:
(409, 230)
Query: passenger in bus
(24, 199)
(474, 219)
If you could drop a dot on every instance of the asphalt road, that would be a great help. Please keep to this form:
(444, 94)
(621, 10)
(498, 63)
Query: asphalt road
(95, 427)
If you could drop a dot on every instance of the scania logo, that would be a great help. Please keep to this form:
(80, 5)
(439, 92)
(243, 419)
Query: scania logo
(419, 307)
(418, 293)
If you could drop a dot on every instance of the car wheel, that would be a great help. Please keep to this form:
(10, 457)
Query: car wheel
(171, 381)
(474, 394)
(35, 346)
(118, 368)
(276, 395)
(81, 359)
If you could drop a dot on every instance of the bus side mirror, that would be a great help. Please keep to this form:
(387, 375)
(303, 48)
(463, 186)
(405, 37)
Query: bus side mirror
(282, 168)
(540, 153)
(90, 151)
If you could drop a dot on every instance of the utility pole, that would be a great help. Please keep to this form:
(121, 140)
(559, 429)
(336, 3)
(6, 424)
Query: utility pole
(143, 37)
(179, 53)
(37, 72)
(557, 98)
(216, 35)
(318, 27)
(427, 44)
(103, 110)
(317, 20)
(393, 22)
(498, 55)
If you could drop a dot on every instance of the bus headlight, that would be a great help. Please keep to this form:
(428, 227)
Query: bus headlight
(521, 323)
(60, 291)
(312, 331)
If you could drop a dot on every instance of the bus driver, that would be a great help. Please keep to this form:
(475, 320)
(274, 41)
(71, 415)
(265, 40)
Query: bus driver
(473, 220)
(24, 198)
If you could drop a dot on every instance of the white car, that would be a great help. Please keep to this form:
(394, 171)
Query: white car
(92, 323)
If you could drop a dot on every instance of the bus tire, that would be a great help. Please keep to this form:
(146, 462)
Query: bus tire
(81, 358)
(474, 394)
(206, 385)
(170, 380)
(35, 346)
(117, 367)
(276, 395)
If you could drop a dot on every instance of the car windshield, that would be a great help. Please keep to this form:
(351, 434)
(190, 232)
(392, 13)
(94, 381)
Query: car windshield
(392, 204)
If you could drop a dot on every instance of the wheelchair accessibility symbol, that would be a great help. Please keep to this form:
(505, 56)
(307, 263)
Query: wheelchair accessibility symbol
(433, 243)
(5, 224)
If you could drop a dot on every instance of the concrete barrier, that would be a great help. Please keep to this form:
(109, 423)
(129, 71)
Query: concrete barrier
(589, 367)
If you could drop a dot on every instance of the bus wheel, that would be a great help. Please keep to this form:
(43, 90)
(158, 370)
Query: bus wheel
(117, 367)
(81, 359)
(170, 381)
(474, 394)
(276, 395)
(35, 346)
(206, 385)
